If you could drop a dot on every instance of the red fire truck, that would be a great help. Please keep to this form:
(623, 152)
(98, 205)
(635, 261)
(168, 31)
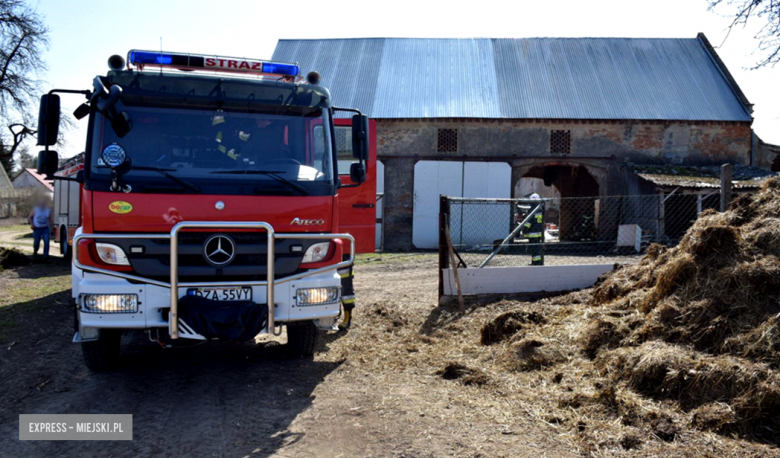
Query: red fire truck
(211, 203)
(67, 204)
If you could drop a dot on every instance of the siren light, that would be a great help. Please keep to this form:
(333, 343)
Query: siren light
(141, 59)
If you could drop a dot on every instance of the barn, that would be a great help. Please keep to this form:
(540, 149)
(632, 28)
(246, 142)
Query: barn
(506, 117)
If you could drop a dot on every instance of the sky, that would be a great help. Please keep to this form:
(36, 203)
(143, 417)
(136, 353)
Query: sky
(85, 33)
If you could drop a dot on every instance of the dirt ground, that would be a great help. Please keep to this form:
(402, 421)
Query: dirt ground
(20, 237)
(235, 400)
(381, 390)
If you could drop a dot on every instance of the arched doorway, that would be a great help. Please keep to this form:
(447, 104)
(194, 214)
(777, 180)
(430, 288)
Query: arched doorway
(567, 180)
(572, 190)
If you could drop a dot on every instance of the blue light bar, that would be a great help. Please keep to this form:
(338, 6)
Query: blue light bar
(141, 59)
(281, 69)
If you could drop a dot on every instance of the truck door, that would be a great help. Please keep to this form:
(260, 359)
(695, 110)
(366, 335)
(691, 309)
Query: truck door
(357, 206)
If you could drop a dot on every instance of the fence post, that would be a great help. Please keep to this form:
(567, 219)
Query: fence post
(661, 217)
(444, 211)
(725, 187)
(453, 263)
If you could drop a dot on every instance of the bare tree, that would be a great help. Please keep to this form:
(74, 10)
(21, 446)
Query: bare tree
(23, 37)
(765, 11)
(26, 159)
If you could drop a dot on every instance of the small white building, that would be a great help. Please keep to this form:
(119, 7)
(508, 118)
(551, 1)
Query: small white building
(30, 179)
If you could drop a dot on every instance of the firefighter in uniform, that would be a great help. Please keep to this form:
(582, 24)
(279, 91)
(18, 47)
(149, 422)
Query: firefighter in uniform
(533, 231)
(232, 141)
(347, 296)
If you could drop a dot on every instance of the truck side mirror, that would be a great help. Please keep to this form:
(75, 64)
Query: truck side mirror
(49, 120)
(48, 163)
(357, 172)
(360, 137)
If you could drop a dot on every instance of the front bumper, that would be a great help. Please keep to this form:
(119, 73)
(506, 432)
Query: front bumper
(158, 308)
(154, 301)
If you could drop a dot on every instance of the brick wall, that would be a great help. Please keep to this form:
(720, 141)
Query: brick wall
(403, 142)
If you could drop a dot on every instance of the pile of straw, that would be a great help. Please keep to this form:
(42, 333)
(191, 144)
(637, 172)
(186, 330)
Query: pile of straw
(694, 329)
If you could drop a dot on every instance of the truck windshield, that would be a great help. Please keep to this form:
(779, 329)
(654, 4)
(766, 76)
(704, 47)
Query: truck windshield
(208, 147)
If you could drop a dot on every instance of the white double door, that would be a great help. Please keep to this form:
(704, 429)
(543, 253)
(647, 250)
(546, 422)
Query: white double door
(460, 179)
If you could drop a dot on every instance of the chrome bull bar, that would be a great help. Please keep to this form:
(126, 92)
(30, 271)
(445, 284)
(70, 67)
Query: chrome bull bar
(174, 284)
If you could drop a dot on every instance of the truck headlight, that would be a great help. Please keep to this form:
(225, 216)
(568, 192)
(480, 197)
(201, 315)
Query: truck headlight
(316, 252)
(112, 254)
(110, 303)
(318, 296)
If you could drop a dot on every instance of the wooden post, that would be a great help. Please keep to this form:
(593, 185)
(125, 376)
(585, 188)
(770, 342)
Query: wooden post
(725, 187)
(453, 263)
(444, 210)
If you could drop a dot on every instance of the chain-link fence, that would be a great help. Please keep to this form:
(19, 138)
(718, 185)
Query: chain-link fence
(566, 231)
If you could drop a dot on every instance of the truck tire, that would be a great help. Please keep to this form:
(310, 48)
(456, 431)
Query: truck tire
(302, 338)
(103, 354)
(65, 249)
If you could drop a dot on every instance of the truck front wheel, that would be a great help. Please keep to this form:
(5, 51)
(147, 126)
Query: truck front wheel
(103, 354)
(65, 249)
(302, 338)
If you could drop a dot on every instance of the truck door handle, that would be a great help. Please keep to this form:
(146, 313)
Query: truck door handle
(363, 205)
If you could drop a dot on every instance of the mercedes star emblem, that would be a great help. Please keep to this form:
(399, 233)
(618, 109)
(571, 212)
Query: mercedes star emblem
(219, 250)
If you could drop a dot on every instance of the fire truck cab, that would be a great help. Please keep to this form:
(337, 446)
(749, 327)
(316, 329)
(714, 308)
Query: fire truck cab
(211, 201)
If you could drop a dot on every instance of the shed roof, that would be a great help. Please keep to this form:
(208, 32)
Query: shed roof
(528, 78)
(49, 184)
(700, 177)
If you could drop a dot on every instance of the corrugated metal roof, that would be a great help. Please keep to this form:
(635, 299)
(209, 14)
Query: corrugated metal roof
(545, 78)
(743, 176)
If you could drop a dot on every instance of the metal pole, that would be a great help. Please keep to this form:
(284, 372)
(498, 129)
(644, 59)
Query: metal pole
(510, 237)
(269, 291)
(173, 315)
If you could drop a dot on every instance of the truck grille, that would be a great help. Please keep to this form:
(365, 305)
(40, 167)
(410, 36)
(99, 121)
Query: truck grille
(248, 264)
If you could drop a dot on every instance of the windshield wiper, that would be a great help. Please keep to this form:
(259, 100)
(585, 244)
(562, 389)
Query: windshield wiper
(271, 173)
(164, 172)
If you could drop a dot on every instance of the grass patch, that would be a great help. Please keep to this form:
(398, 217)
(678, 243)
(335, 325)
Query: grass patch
(33, 282)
